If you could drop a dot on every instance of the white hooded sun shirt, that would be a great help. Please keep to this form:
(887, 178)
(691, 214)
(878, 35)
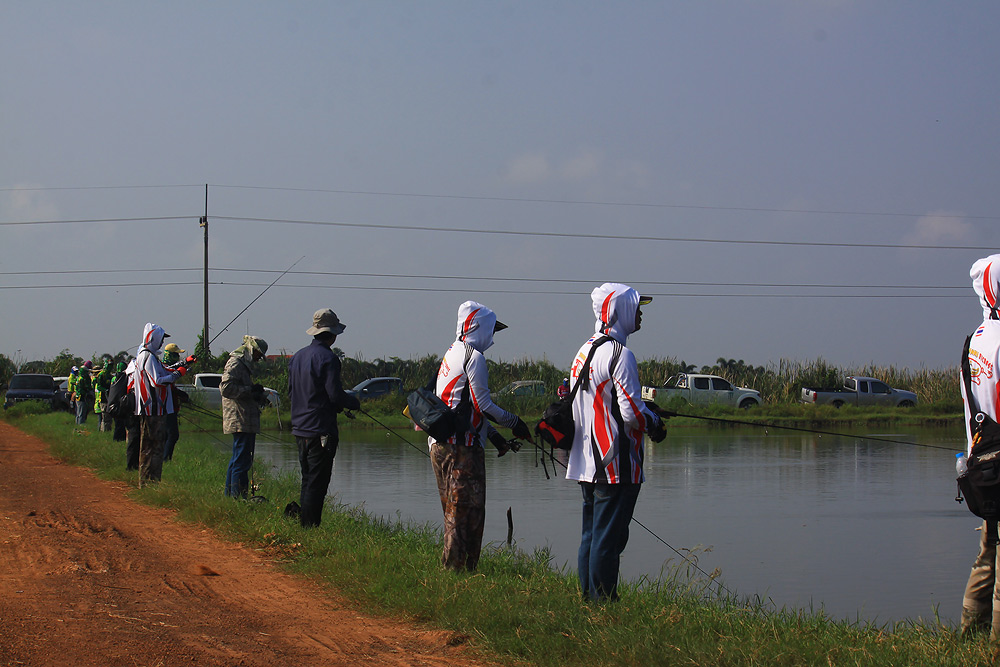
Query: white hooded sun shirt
(150, 378)
(474, 336)
(984, 348)
(609, 414)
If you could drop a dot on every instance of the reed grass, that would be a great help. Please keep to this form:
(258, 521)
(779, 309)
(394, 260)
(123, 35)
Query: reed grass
(517, 608)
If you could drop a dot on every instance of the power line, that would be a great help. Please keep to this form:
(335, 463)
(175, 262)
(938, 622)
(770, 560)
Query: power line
(467, 289)
(97, 220)
(506, 232)
(100, 187)
(695, 207)
(410, 276)
(604, 237)
(526, 200)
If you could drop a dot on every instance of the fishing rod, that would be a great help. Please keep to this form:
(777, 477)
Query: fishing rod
(225, 328)
(687, 559)
(767, 425)
(254, 301)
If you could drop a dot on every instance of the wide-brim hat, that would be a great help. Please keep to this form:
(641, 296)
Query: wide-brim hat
(326, 320)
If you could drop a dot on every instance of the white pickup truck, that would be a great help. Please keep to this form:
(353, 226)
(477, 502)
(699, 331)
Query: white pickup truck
(859, 391)
(206, 390)
(703, 389)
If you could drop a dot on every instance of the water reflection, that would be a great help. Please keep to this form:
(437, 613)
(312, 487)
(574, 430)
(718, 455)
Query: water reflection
(862, 528)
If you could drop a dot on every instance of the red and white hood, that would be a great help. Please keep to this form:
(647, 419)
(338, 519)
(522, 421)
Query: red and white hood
(615, 306)
(476, 323)
(152, 337)
(985, 274)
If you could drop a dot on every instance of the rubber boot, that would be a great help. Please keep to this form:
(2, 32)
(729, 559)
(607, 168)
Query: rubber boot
(974, 621)
(995, 629)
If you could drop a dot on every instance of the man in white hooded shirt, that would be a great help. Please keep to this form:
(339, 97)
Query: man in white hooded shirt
(981, 603)
(151, 380)
(459, 463)
(607, 453)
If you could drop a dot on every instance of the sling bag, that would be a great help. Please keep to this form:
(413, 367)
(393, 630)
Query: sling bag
(980, 483)
(556, 426)
(426, 409)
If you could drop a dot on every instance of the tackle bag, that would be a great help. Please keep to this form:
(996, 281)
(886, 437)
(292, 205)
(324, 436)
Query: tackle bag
(980, 483)
(426, 409)
(556, 426)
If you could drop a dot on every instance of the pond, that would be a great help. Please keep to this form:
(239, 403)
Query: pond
(861, 528)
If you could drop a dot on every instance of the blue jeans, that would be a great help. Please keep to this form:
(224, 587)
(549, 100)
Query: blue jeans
(237, 479)
(607, 512)
(82, 410)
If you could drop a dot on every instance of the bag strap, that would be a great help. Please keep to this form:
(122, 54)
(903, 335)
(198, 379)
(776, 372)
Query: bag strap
(967, 376)
(584, 378)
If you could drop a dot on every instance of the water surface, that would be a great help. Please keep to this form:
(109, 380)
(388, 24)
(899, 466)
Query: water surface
(858, 527)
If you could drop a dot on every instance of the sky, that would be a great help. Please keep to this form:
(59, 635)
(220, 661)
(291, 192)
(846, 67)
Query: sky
(791, 180)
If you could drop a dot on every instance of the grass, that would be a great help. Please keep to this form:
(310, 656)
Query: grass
(517, 608)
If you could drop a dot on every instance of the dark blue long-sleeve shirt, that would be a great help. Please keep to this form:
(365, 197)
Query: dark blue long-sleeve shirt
(315, 391)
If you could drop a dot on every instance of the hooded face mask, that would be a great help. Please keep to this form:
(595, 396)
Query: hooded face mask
(615, 306)
(476, 324)
(152, 337)
(985, 274)
(251, 344)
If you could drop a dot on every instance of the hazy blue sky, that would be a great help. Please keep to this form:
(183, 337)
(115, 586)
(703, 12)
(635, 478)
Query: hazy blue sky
(755, 165)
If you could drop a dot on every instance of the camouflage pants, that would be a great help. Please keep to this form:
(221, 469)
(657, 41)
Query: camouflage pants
(460, 472)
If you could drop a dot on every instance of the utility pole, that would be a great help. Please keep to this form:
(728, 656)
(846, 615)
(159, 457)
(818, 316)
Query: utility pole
(204, 224)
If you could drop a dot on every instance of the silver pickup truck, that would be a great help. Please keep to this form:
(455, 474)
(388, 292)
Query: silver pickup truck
(703, 389)
(206, 390)
(859, 391)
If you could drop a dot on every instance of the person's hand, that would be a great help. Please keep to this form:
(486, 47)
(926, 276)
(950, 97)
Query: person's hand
(521, 431)
(182, 371)
(191, 360)
(656, 431)
(499, 442)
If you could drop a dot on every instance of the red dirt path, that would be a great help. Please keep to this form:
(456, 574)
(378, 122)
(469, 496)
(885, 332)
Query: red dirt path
(89, 577)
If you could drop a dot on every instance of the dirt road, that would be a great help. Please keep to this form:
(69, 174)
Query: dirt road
(88, 577)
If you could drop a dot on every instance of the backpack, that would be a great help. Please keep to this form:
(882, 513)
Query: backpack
(426, 409)
(980, 483)
(121, 401)
(556, 426)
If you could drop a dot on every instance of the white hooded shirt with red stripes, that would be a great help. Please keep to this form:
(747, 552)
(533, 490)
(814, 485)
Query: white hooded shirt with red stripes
(149, 378)
(984, 348)
(464, 365)
(609, 414)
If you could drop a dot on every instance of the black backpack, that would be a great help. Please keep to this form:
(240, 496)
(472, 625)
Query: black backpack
(980, 483)
(556, 426)
(121, 401)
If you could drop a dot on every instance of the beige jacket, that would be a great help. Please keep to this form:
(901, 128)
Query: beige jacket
(240, 412)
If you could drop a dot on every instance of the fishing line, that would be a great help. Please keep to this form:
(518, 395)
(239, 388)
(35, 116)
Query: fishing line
(253, 484)
(685, 558)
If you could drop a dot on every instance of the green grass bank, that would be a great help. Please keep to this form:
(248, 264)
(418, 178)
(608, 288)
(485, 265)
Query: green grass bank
(516, 609)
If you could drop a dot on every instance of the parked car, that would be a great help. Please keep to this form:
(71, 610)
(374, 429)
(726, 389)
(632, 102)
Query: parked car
(375, 387)
(31, 387)
(206, 390)
(703, 389)
(859, 391)
(524, 388)
(62, 401)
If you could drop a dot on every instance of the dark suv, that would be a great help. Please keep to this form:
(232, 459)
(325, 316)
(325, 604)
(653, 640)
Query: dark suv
(375, 387)
(30, 387)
